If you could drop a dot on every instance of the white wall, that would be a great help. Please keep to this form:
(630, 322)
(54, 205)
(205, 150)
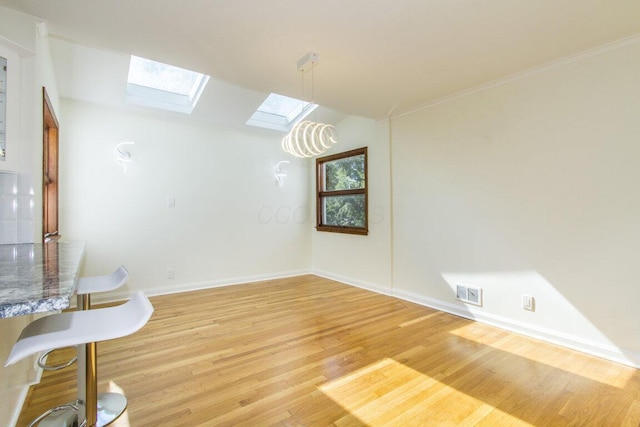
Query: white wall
(360, 260)
(231, 221)
(530, 187)
(524, 188)
(19, 32)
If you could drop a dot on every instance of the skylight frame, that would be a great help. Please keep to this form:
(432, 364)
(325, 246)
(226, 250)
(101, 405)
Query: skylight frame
(267, 117)
(158, 95)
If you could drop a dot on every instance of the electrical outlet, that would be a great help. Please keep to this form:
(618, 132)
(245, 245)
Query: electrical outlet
(171, 273)
(171, 202)
(528, 303)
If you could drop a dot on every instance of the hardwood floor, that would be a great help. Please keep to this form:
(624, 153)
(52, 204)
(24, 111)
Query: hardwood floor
(308, 351)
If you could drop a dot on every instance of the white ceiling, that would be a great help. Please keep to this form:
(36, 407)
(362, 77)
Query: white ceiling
(374, 54)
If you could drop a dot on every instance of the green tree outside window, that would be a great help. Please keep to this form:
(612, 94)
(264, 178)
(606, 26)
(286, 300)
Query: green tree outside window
(342, 192)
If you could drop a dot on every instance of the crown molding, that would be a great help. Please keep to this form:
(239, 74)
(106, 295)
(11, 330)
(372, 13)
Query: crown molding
(558, 63)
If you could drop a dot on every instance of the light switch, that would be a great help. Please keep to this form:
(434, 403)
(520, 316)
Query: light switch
(528, 302)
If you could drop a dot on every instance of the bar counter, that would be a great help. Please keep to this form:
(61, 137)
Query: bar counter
(38, 277)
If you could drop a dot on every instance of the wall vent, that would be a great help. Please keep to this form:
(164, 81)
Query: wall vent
(469, 294)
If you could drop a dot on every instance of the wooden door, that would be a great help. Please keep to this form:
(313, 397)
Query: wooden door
(49, 170)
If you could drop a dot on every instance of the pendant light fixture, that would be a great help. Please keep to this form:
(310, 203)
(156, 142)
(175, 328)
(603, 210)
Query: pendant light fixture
(308, 138)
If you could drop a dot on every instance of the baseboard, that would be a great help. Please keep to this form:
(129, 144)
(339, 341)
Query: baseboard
(22, 396)
(593, 348)
(195, 286)
(36, 373)
(352, 282)
(597, 349)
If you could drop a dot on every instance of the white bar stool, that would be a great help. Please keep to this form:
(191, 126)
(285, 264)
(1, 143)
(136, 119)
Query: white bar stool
(80, 328)
(90, 285)
(85, 287)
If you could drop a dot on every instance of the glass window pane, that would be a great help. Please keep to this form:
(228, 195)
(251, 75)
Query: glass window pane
(280, 112)
(344, 174)
(156, 75)
(344, 211)
(283, 106)
(157, 85)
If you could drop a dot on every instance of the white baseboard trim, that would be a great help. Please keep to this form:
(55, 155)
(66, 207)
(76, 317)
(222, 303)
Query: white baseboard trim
(352, 282)
(34, 376)
(593, 348)
(597, 349)
(22, 396)
(604, 351)
(195, 286)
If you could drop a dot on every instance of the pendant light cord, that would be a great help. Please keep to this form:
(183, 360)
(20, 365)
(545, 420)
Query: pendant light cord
(309, 138)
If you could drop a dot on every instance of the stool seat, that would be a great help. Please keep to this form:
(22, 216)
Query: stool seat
(81, 327)
(84, 288)
(109, 282)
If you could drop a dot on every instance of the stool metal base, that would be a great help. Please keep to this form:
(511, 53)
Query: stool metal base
(61, 416)
(110, 407)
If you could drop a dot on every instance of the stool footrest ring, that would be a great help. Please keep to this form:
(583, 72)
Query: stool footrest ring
(44, 366)
(67, 406)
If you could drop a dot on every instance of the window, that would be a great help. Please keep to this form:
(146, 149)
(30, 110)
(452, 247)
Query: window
(341, 202)
(280, 112)
(158, 85)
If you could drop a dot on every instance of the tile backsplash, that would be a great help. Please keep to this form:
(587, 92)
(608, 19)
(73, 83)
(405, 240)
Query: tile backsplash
(16, 208)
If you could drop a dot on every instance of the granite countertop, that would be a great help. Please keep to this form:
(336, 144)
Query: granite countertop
(38, 277)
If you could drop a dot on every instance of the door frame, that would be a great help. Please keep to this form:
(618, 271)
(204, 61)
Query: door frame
(50, 145)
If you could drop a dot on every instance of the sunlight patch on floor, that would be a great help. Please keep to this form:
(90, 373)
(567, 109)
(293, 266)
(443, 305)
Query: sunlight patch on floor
(580, 364)
(389, 393)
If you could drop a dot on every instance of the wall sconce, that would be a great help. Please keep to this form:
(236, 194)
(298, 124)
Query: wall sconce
(123, 156)
(280, 173)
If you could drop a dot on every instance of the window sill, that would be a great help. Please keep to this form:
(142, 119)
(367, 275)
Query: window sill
(344, 230)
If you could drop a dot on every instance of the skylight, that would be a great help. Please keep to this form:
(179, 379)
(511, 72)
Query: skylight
(280, 112)
(158, 85)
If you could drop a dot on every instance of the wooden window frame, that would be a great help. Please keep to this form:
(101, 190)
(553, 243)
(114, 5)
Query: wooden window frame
(321, 193)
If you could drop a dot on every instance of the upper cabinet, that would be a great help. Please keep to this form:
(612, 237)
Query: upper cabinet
(9, 109)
